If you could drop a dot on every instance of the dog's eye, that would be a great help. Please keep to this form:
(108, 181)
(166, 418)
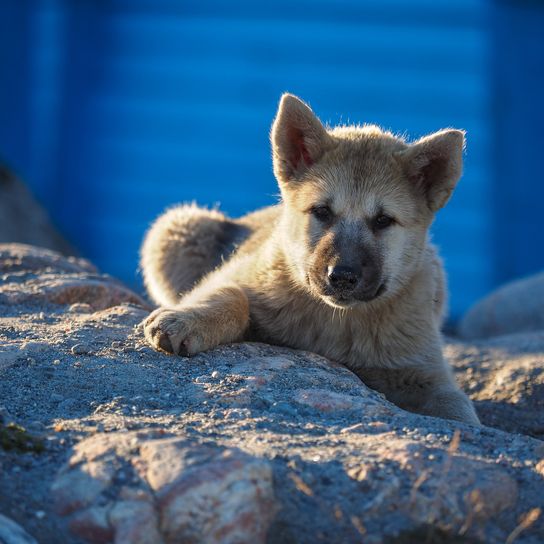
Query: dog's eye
(382, 222)
(322, 213)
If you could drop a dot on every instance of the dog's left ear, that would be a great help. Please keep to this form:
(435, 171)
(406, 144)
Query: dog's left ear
(435, 164)
(298, 139)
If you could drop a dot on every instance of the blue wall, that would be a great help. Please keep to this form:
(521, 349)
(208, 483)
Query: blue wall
(116, 109)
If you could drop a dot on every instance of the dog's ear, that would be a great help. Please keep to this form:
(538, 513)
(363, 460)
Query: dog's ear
(435, 164)
(298, 139)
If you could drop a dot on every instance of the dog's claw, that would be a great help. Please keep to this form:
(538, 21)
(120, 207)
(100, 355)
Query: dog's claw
(183, 350)
(164, 343)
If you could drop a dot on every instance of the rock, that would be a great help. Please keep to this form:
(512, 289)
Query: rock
(23, 220)
(9, 355)
(12, 533)
(36, 276)
(76, 489)
(505, 379)
(201, 493)
(93, 525)
(80, 307)
(80, 349)
(206, 494)
(136, 521)
(515, 307)
(248, 442)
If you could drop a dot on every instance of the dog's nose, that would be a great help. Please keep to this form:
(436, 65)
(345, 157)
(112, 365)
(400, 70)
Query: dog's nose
(342, 277)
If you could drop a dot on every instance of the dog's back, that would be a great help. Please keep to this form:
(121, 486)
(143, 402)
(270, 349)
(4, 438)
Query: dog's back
(188, 242)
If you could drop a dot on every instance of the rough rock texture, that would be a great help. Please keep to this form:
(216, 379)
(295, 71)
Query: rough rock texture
(505, 378)
(23, 220)
(13, 533)
(247, 443)
(515, 307)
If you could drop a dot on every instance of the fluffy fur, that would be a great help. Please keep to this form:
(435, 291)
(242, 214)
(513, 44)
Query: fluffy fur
(342, 266)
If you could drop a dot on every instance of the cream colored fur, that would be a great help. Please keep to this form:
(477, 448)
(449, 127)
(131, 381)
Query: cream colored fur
(263, 277)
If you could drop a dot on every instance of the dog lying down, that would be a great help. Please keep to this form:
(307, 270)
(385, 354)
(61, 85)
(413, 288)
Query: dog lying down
(342, 266)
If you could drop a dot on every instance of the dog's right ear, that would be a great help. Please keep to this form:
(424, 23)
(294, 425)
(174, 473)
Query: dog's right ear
(298, 139)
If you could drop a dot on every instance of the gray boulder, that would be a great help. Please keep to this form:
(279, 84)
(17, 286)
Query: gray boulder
(515, 307)
(105, 440)
(25, 221)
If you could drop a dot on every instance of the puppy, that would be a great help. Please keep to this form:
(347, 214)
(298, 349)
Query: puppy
(342, 266)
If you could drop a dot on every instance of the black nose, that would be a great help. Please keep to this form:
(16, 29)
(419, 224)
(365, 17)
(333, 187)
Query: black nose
(342, 277)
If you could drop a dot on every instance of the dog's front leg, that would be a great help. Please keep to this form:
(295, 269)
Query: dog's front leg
(448, 402)
(428, 391)
(204, 319)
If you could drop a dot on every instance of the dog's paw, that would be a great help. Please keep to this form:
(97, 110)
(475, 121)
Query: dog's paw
(175, 331)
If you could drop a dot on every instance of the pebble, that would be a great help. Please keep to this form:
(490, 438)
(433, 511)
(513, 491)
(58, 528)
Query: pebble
(80, 307)
(35, 426)
(80, 349)
(284, 407)
(34, 345)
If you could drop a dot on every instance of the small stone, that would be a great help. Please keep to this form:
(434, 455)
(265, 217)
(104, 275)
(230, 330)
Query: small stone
(215, 374)
(9, 355)
(80, 308)
(284, 407)
(34, 345)
(35, 426)
(81, 349)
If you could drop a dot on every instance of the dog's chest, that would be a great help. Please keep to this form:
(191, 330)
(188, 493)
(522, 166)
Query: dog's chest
(339, 335)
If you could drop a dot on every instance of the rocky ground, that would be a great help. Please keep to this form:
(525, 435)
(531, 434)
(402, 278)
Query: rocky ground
(104, 440)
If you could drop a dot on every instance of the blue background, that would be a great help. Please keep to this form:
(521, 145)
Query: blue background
(113, 110)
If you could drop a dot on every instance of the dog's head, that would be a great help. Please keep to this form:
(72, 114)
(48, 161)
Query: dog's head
(358, 202)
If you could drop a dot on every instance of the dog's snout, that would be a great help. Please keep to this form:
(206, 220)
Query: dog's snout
(343, 277)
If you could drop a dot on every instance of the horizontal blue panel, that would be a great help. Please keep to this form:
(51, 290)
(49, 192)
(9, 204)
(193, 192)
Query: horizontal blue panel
(120, 116)
(432, 95)
(309, 42)
(439, 13)
(224, 144)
